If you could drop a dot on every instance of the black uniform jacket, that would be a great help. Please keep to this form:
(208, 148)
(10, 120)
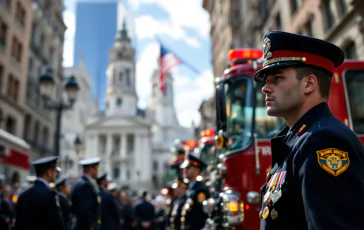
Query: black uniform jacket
(38, 208)
(318, 167)
(86, 205)
(175, 219)
(66, 205)
(110, 212)
(192, 212)
(144, 212)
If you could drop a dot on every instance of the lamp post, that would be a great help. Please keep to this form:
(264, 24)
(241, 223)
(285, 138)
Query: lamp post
(46, 86)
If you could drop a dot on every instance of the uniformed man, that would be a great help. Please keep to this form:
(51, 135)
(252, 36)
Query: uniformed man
(193, 217)
(317, 179)
(110, 213)
(85, 198)
(144, 213)
(38, 207)
(63, 191)
(180, 187)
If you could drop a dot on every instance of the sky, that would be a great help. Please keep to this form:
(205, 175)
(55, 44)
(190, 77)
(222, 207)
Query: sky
(183, 27)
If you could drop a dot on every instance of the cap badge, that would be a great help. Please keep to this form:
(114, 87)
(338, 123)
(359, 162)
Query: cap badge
(266, 48)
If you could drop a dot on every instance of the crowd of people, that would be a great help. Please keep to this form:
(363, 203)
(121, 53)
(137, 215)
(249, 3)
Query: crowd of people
(95, 202)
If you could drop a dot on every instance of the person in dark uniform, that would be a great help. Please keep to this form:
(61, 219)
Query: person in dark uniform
(110, 213)
(63, 191)
(128, 222)
(85, 198)
(179, 191)
(317, 178)
(144, 213)
(38, 207)
(193, 217)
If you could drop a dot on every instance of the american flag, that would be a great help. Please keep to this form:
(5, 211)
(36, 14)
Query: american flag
(167, 61)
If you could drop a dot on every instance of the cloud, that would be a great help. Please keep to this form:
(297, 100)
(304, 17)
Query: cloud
(184, 14)
(148, 27)
(190, 94)
(70, 21)
(144, 68)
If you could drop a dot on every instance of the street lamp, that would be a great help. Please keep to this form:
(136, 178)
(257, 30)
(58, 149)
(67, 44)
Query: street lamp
(77, 144)
(46, 86)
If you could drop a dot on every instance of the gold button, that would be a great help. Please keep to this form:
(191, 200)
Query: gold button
(260, 214)
(99, 221)
(182, 219)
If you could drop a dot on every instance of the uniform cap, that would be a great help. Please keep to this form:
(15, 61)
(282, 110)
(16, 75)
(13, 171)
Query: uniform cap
(180, 182)
(31, 179)
(282, 49)
(60, 182)
(101, 177)
(112, 187)
(192, 160)
(90, 162)
(47, 163)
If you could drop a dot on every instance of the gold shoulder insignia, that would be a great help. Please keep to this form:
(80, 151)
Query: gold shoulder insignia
(201, 197)
(333, 161)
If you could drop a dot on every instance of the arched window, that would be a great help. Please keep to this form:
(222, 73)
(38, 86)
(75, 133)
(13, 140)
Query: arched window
(119, 101)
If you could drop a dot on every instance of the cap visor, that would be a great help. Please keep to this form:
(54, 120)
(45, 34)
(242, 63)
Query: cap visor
(185, 164)
(260, 76)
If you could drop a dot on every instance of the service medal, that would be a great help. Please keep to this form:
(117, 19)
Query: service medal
(260, 214)
(274, 214)
(265, 213)
(277, 195)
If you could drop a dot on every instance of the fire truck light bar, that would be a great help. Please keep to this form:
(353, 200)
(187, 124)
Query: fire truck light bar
(236, 54)
(208, 133)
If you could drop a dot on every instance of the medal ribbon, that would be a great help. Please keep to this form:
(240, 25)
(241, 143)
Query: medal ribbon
(276, 181)
(272, 181)
(283, 177)
(280, 180)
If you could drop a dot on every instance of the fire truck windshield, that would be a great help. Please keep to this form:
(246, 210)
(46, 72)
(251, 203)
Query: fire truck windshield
(205, 153)
(239, 112)
(354, 80)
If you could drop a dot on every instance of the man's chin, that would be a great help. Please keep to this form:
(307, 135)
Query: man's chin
(272, 111)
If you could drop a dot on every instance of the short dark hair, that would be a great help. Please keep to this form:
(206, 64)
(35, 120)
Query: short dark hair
(323, 78)
(41, 171)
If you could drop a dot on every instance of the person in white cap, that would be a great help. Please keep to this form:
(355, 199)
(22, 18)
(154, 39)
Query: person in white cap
(85, 198)
(38, 207)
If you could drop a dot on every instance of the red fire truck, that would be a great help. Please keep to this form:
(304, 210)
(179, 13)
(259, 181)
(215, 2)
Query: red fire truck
(244, 132)
(14, 157)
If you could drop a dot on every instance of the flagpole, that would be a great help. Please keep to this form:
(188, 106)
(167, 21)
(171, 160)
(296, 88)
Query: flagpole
(193, 69)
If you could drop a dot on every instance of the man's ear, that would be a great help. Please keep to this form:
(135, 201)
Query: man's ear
(310, 83)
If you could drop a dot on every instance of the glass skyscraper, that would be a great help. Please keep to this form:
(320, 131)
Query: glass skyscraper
(96, 27)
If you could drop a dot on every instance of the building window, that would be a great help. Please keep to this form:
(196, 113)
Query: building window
(34, 29)
(130, 143)
(116, 173)
(16, 49)
(119, 102)
(294, 6)
(36, 133)
(1, 78)
(278, 21)
(10, 125)
(45, 137)
(13, 87)
(350, 51)
(8, 4)
(20, 14)
(127, 76)
(342, 6)
(120, 76)
(3, 33)
(27, 122)
(155, 165)
(329, 17)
